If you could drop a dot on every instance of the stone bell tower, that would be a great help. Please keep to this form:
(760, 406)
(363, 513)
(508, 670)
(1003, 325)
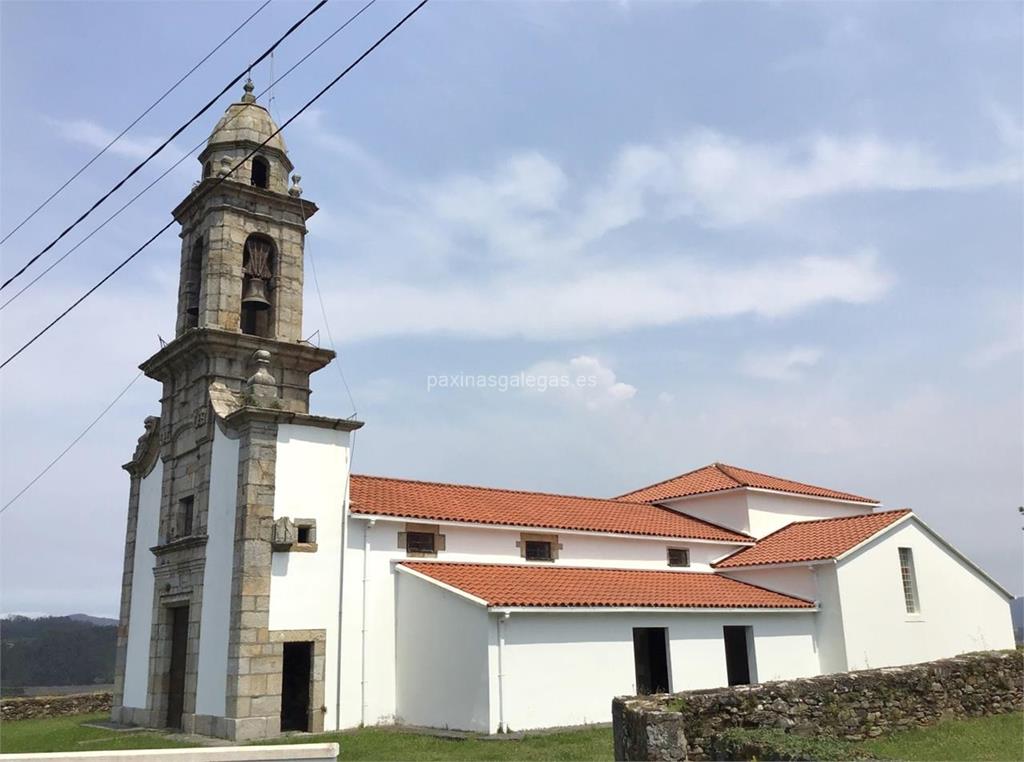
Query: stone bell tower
(194, 646)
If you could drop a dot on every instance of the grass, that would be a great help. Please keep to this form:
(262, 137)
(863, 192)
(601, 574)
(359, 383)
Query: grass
(1000, 737)
(986, 738)
(68, 734)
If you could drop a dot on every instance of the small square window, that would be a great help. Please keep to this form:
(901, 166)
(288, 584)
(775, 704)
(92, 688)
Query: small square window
(538, 550)
(678, 557)
(304, 534)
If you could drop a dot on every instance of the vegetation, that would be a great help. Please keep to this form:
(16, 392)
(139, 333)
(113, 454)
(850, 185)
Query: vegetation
(777, 745)
(68, 734)
(1000, 737)
(985, 738)
(55, 651)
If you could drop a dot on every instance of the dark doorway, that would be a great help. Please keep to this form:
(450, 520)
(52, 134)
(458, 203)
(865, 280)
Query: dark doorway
(738, 647)
(296, 685)
(176, 672)
(650, 652)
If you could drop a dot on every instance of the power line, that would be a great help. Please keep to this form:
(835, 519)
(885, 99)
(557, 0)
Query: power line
(174, 166)
(220, 179)
(74, 441)
(138, 119)
(163, 145)
(323, 312)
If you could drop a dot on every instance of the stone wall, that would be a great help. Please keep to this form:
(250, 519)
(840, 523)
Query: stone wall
(850, 705)
(54, 706)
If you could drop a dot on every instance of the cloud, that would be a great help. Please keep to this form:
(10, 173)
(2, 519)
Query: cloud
(780, 365)
(584, 380)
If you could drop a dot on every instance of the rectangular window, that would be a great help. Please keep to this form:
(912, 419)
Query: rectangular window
(421, 540)
(678, 557)
(186, 511)
(909, 581)
(538, 550)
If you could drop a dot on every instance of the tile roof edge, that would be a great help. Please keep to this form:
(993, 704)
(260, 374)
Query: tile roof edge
(670, 479)
(725, 468)
(483, 488)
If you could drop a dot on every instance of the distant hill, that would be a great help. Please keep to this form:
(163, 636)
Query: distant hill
(53, 651)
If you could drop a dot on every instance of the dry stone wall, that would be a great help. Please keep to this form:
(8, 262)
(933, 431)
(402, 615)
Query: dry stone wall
(54, 706)
(850, 706)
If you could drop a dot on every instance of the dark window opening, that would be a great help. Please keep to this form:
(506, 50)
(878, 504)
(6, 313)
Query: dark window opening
(420, 542)
(650, 654)
(678, 557)
(296, 686)
(176, 670)
(538, 550)
(260, 172)
(186, 515)
(739, 647)
(258, 269)
(207, 169)
(303, 534)
(193, 279)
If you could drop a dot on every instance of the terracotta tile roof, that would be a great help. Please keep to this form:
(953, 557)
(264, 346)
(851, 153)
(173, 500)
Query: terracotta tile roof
(531, 585)
(812, 540)
(718, 477)
(381, 496)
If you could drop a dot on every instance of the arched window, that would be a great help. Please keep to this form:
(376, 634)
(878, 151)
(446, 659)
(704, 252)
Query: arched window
(193, 283)
(260, 172)
(259, 263)
(207, 169)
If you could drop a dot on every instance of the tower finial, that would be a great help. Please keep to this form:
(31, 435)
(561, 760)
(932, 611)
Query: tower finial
(248, 87)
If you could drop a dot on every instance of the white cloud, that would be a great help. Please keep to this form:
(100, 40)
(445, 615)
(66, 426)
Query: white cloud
(780, 365)
(604, 302)
(584, 380)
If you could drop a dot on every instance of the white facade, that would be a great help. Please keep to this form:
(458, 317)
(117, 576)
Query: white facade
(401, 647)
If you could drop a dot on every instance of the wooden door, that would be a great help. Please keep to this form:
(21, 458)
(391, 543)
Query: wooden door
(176, 672)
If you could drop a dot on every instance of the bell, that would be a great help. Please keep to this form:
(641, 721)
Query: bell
(255, 296)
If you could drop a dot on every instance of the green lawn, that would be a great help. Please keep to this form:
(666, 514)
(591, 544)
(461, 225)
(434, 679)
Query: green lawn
(987, 738)
(67, 734)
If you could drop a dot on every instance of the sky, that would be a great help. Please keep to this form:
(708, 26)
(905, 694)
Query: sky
(785, 236)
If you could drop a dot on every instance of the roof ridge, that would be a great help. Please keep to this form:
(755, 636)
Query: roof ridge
(666, 481)
(504, 489)
(723, 466)
(840, 518)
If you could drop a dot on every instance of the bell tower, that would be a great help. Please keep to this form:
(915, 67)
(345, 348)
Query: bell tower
(195, 645)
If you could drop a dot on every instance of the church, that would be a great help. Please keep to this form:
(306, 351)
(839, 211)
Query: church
(267, 589)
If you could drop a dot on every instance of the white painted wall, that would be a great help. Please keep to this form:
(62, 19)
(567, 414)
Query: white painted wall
(960, 610)
(565, 668)
(791, 580)
(760, 513)
(442, 658)
(771, 511)
(831, 638)
(220, 554)
(463, 544)
(140, 616)
(311, 482)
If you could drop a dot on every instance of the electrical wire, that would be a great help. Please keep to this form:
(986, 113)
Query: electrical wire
(163, 145)
(138, 119)
(74, 441)
(176, 164)
(323, 312)
(219, 180)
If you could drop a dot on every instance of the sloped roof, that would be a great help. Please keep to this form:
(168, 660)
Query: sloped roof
(522, 585)
(812, 540)
(381, 496)
(719, 477)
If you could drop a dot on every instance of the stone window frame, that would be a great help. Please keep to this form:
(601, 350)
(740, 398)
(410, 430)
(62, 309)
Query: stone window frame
(317, 697)
(686, 558)
(551, 539)
(310, 545)
(431, 529)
